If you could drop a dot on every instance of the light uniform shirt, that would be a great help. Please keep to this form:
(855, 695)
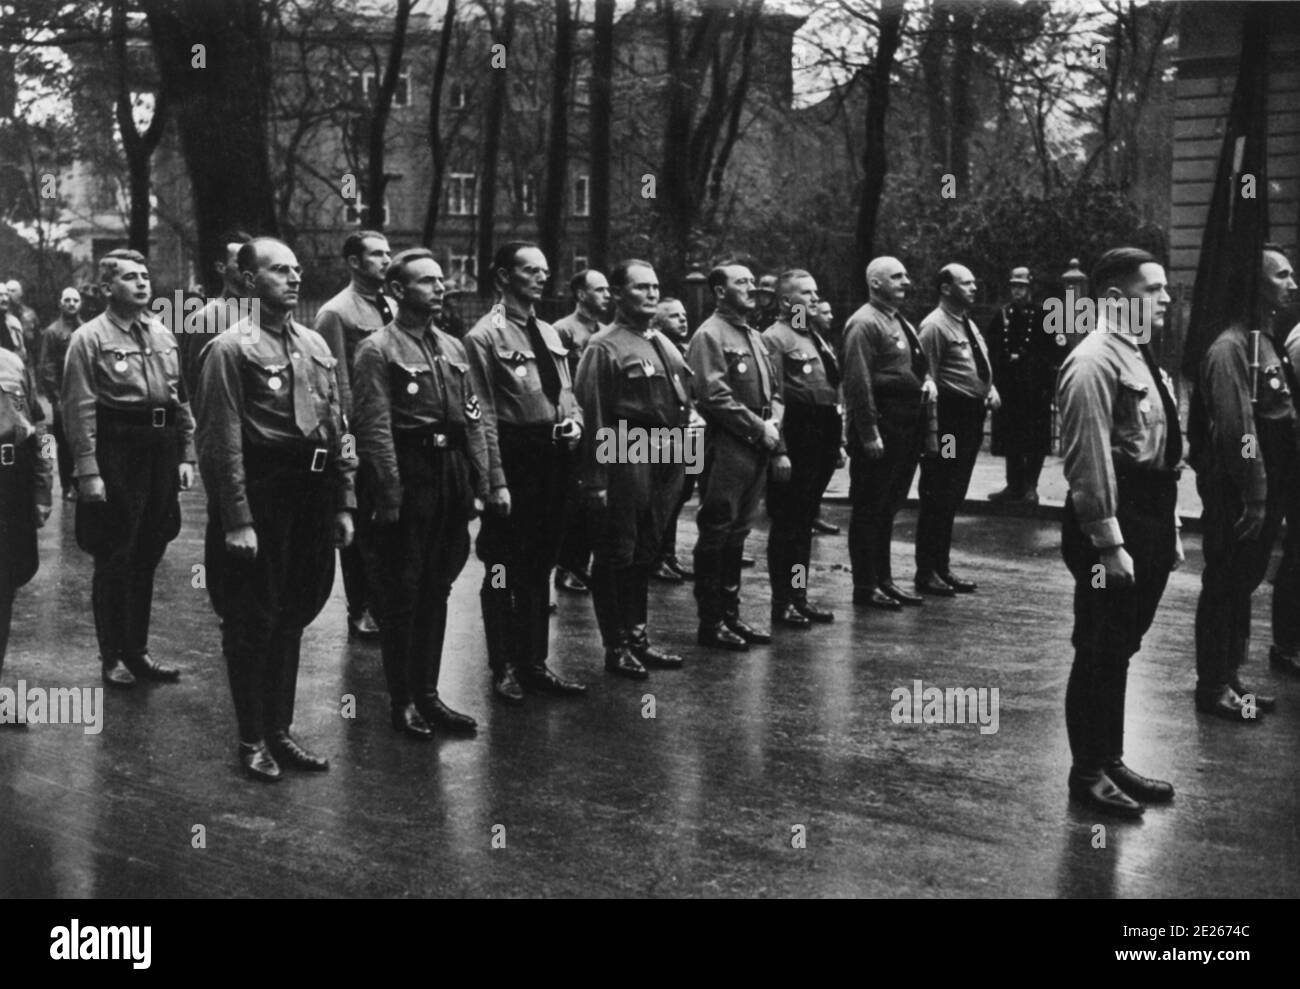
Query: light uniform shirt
(882, 359)
(1112, 418)
(798, 366)
(131, 368)
(734, 383)
(951, 353)
(19, 413)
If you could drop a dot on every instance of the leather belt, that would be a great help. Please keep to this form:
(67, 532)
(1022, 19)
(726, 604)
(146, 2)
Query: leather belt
(158, 417)
(7, 454)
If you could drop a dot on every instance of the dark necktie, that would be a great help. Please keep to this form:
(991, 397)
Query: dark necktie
(981, 362)
(546, 368)
(304, 404)
(829, 363)
(918, 354)
(657, 341)
(1174, 434)
(6, 338)
(382, 305)
(764, 381)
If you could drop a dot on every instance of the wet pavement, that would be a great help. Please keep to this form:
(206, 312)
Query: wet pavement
(745, 755)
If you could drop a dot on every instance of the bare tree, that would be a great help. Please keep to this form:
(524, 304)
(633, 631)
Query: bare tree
(875, 162)
(376, 176)
(139, 148)
(437, 145)
(551, 219)
(602, 95)
(491, 145)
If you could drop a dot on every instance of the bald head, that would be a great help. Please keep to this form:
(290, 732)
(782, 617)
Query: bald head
(887, 281)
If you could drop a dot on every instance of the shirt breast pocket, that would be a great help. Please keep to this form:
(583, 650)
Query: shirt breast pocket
(267, 380)
(120, 364)
(519, 372)
(324, 379)
(1136, 412)
(740, 364)
(410, 382)
(798, 364)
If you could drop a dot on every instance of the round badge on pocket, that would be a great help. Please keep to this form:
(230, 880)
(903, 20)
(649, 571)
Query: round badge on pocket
(274, 382)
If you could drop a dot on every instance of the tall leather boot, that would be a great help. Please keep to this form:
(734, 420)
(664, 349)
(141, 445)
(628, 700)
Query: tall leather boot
(609, 595)
(731, 566)
(499, 627)
(636, 602)
(713, 630)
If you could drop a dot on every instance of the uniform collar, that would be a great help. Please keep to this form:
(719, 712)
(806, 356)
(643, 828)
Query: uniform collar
(140, 321)
(414, 332)
(516, 314)
(888, 310)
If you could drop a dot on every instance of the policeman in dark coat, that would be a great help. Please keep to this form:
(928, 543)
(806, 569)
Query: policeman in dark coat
(737, 393)
(420, 438)
(1245, 460)
(887, 387)
(280, 500)
(532, 423)
(1122, 445)
(25, 479)
(808, 377)
(632, 383)
(127, 417)
(1025, 360)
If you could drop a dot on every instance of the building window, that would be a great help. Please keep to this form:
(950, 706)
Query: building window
(458, 98)
(365, 88)
(582, 196)
(579, 263)
(356, 213)
(104, 194)
(460, 194)
(462, 272)
(527, 196)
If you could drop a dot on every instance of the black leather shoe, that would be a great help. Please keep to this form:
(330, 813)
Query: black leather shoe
(875, 597)
(754, 636)
(363, 626)
(1265, 703)
(718, 636)
(1223, 703)
(144, 668)
(506, 687)
(790, 616)
(441, 716)
(287, 750)
(824, 528)
(116, 675)
(1100, 793)
(1006, 494)
(407, 720)
(666, 573)
(902, 596)
(957, 584)
(1288, 663)
(746, 562)
(1030, 497)
(676, 564)
(1140, 787)
(542, 679)
(258, 762)
(815, 614)
(566, 580)
(932, 583)
(622, 663)
(658, 658)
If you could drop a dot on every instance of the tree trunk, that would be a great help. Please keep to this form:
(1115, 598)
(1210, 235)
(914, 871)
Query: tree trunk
(221, 112)
(550, 224)
(932, 77)
(875, 163)
(437, 149)
(376, 176)
(602, 101)
(139, 147)
(491, 143)
(961, 107)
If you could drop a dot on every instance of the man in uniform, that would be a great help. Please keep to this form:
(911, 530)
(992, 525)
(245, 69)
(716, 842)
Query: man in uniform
(1245, 460)
(216, 315)
(887, 384)
(737, 393)
(1024, 359)
(631, 381)
(344, 321)
(53, 353)
(766, 308)
(532, 424)
(24, 493)
(671, 323)
(807, 377)
(128, 422)
(420, 438)
(11, 327)
(959, 362)
(25, 315)
(824, 322)
(280, 500)
(1122, 444)
(591, 297)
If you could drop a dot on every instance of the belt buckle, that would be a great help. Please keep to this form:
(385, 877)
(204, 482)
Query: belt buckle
(440, 441)
(6, 454)
(158, 418)
(766, 413)
(557, 433)
(318, 458)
